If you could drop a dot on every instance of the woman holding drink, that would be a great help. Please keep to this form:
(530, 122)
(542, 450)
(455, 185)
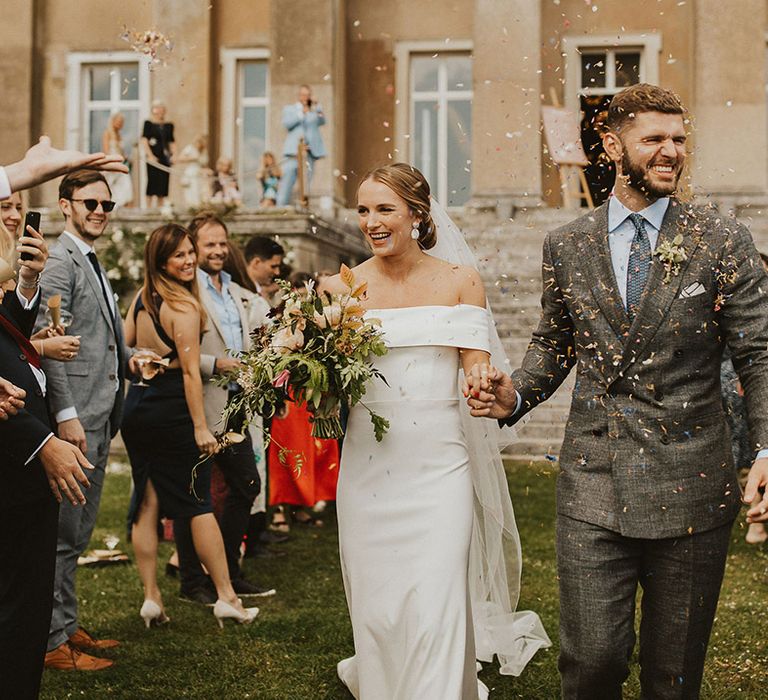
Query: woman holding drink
(164, 428)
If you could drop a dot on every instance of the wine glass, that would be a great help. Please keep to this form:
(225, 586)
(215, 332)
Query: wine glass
(65, 318)
(144, 358)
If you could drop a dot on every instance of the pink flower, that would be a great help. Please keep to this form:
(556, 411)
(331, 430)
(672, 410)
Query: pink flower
(281, 379)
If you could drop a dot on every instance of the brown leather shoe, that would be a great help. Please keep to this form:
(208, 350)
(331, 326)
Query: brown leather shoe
(84, 640)
(67, 658)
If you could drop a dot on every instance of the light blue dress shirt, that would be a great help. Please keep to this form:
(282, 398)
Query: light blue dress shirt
(621, 231)
(226, 312)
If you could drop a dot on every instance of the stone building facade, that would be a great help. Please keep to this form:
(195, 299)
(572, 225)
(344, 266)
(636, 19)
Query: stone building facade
(455, 86)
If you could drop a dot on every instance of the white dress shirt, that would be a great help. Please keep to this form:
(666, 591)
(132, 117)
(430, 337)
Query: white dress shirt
(5, 185)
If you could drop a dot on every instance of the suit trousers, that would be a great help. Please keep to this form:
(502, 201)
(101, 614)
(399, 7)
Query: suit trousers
(75, 528)
(599, 571)
(238, 466)
(290, 175)
(28, 556)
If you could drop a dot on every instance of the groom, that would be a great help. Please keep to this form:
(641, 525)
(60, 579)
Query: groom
(642, 295)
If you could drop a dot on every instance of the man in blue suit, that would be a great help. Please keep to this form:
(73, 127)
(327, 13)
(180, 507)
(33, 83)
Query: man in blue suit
(303, 120)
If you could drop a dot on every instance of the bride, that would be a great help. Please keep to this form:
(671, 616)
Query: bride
(429, 549)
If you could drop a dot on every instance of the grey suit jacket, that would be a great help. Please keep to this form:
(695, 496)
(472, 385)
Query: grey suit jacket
(646, 449)
(88, 382)
(212, 346)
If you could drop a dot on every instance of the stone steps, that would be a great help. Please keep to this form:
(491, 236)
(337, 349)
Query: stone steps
(509, 258)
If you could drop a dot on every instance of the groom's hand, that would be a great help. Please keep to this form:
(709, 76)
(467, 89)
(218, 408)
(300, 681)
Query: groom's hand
(490, 392)
(758, 478)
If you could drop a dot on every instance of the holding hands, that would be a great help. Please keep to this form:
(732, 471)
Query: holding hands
(758, 479)
(489, 392)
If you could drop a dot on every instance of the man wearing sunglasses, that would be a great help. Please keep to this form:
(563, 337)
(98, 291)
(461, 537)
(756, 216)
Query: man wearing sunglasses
(85, 395)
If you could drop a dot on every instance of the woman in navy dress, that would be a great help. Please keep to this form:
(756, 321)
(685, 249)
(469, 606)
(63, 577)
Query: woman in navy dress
(164, 425)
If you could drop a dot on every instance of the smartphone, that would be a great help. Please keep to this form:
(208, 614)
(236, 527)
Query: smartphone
(31, 219)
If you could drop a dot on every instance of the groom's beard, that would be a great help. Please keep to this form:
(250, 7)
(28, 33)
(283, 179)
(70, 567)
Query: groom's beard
(638, 178)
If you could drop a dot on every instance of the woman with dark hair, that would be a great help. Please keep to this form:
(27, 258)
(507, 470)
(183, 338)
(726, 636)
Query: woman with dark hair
(164, 427)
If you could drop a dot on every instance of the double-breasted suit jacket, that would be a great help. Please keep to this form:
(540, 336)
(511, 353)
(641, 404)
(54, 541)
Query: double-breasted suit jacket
(646, 450)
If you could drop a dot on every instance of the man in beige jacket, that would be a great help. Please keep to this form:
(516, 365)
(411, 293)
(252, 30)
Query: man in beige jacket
(227, 333)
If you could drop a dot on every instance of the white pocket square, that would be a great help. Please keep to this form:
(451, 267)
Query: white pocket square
(692, 290)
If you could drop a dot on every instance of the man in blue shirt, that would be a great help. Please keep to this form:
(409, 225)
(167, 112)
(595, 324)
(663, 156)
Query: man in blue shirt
(227, 334)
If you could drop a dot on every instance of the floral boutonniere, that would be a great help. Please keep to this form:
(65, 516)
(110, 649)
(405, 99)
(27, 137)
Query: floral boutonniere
(672, 255)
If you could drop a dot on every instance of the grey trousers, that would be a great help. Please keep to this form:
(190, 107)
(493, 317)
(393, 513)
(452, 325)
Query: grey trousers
(75, 529)
(599, 571)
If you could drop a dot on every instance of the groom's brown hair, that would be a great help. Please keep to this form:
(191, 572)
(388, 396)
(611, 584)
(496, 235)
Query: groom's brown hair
(639, 98)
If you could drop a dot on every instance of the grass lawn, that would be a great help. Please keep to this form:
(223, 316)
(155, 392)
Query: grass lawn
(290, 652)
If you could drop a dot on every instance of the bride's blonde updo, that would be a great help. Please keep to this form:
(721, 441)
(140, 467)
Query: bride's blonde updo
(408, 182)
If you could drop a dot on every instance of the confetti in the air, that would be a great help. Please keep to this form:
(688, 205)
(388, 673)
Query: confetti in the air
(149, 42)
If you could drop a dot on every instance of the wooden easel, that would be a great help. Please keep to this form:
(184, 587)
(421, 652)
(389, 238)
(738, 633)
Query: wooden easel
(301, 167)
(567, 153)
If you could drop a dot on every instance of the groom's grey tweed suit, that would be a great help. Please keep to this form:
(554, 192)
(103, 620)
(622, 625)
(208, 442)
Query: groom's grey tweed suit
(646, 472)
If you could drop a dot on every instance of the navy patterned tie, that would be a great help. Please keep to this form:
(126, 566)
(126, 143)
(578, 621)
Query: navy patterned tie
(639, 264)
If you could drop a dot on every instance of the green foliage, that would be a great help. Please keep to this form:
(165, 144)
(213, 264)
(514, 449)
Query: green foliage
(121, 254)
(319, 351)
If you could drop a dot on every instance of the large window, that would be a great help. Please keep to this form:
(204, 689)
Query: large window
(441, 123)
(245, 116)
(110, 88)
(99, 85)
(596, 69)
(252, 126)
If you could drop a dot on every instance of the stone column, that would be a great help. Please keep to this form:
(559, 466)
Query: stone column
(184, 84)
(307, 46)
(729, 114)
(17, 58)
(506, 142)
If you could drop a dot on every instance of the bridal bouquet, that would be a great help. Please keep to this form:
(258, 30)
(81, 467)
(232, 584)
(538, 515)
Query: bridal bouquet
(318, 352)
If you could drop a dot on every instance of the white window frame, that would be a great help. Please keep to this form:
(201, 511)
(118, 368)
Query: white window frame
(231, 104)
(78, 99)
(404, 104)
(649, 46)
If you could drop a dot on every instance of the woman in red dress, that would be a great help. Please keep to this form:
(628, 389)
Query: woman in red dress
(303, 470)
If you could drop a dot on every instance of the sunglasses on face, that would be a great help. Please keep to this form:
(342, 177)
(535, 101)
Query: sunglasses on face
(91, 204)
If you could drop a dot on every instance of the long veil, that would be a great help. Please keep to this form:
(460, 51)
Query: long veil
(495, 560)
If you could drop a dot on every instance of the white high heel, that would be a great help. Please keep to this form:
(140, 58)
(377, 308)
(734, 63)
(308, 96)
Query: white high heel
(151, 612)
(223, 610)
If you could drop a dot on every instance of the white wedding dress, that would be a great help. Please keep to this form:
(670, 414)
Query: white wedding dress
(405, 511)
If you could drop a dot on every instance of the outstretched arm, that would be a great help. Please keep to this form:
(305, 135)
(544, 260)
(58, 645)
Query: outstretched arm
(43, 162)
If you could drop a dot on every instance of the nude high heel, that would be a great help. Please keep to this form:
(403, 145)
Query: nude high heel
(223, 610)
(151, 612)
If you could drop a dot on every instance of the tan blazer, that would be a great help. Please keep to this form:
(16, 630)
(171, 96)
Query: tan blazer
(212, 346)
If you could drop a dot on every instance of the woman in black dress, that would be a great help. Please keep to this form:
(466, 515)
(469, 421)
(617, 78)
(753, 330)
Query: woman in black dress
(159, 149)
(164, 425)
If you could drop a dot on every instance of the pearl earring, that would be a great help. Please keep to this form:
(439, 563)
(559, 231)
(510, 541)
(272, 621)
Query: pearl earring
(415, 231)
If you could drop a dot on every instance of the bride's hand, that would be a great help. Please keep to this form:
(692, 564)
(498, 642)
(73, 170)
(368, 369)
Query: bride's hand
(479, 381)
(490, 392)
